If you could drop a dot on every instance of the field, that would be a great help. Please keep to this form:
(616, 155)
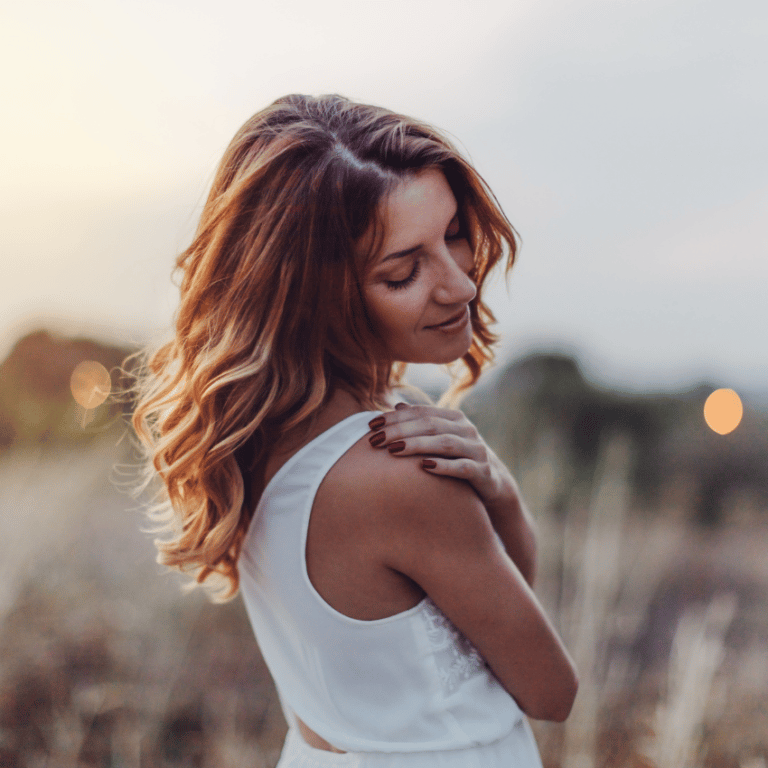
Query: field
(105, 662)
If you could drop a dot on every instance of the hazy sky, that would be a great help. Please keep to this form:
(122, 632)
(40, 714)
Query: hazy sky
(626, 139)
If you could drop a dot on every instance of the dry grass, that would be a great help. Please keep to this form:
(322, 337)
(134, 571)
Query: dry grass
(105, 663)
(667, 624)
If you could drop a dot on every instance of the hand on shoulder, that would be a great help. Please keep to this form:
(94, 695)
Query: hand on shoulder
(448, 444)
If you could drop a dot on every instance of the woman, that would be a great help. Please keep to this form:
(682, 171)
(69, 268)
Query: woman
(383, 551)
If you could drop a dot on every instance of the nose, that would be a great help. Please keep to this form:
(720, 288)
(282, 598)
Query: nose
(453, 284)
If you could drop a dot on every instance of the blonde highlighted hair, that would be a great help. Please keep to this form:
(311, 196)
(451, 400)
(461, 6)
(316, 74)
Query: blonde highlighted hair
(272, 319)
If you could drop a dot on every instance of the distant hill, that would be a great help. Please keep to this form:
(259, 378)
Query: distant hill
(546, 397)
(540, 399)
(36, 404)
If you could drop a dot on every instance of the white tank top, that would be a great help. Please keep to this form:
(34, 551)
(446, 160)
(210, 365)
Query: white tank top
(406, 683)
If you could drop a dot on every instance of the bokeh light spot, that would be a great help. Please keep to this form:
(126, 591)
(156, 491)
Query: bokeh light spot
(90, 384)
(723, 411)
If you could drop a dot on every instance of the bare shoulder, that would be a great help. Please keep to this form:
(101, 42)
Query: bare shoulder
(396, 490)
(398, 508)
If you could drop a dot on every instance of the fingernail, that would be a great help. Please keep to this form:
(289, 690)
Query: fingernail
(428, 463)
(396, 447)
(377, 439)
(377, 422)
(400, 406)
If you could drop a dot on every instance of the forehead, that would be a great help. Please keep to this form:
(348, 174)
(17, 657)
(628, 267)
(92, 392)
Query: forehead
(417, 207)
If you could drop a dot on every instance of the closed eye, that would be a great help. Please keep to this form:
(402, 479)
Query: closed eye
(397, 284)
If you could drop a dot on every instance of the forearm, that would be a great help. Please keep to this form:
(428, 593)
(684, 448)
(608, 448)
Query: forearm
(515, 527)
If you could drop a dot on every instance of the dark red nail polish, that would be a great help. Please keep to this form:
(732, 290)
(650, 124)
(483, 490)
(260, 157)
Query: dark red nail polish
(428, 463)
(376, 423)
(377, 439)
(400, 406)
(396, 447)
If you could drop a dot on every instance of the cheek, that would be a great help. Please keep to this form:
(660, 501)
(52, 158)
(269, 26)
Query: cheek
(391, 313)
(376, 307)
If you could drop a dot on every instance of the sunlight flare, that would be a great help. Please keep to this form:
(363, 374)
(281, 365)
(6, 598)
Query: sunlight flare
(90, 384)
(723, 411)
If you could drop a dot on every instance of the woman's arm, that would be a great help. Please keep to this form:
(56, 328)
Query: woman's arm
(515, 527)
(451, 446)
(436, 531)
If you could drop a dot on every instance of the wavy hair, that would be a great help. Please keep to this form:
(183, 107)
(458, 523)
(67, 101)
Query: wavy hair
(271, 317)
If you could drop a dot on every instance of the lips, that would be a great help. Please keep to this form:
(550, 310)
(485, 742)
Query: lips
(452, 319)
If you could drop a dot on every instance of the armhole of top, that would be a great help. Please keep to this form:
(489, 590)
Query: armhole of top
(306, 514)
(269, 487)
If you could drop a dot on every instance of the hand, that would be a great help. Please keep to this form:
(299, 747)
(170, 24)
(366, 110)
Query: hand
(450, 444)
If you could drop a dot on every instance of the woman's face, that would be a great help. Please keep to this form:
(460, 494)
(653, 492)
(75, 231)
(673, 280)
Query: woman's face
(417, 292)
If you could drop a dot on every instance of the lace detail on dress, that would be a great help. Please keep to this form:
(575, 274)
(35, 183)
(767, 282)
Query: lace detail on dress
(456, 658)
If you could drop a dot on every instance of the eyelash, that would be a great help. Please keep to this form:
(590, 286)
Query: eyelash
(397, 284)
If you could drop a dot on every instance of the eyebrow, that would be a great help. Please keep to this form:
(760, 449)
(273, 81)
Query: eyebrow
(409, 251)
(400, 254)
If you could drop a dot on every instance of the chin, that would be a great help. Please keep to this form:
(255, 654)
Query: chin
(447, 359)
(440, 356)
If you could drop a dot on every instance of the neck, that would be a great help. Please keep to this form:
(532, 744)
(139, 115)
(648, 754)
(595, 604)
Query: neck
(338, 406)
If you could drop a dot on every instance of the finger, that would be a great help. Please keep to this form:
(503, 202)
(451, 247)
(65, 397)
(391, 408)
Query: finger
(428, 427)
(404, 412)
(398, 427)
(423, 437)
(421, 411)
(463, 469)
(446, 446)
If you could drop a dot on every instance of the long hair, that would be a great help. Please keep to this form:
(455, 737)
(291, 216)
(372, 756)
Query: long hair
(271, 317)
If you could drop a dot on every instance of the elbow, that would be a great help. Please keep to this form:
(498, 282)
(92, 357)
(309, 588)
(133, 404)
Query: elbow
(561, 706)
(557, 704)
(558, 711)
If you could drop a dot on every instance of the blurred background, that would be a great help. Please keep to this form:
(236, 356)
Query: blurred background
(626, 142)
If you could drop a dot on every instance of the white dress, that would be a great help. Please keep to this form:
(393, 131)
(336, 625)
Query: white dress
(407, 690)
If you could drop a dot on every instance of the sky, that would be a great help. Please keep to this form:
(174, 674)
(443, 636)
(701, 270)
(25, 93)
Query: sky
(625, 139)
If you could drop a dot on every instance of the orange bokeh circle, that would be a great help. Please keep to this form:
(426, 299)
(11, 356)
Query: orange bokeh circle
(90, 384)
(723, 411)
